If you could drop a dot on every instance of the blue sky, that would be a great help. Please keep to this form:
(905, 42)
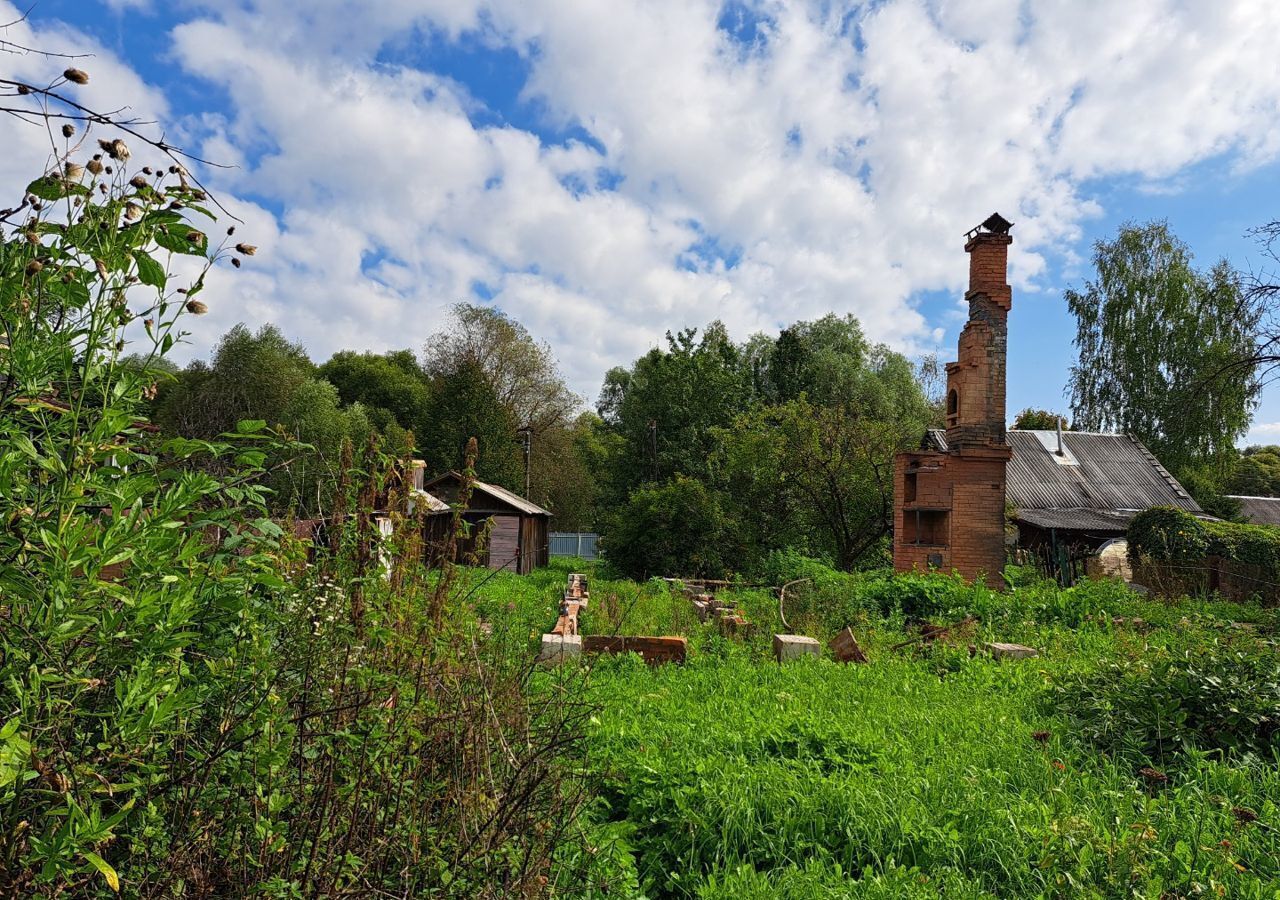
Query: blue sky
(607, 171)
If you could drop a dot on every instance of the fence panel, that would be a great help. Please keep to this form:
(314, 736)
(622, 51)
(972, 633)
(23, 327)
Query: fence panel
(575, 543)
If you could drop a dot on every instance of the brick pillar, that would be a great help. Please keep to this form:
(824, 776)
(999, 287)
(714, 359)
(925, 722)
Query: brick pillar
(976, 380)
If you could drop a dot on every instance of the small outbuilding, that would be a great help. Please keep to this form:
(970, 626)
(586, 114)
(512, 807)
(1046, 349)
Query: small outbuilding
(1258, 510)
(518, 530)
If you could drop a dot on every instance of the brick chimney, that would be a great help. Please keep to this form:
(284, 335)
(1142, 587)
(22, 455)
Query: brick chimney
(976, 380)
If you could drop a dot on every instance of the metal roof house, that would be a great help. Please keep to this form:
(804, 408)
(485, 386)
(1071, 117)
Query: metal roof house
(1081, 487)
(519, 531)
(1259, 510)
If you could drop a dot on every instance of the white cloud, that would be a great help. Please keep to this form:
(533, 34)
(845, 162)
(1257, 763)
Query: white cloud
(837, 159)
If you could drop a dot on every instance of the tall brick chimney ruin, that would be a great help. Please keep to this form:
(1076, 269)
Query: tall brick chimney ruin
(949, 500)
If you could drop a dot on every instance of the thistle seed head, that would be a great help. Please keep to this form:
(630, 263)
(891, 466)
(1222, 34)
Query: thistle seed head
(138, 182)
(246, 249)
(76, 76)
(132, 212)
(73, 171)
(197, 307)
(34, 267)
(68, 130)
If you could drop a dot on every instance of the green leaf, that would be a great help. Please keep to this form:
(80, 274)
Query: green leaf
(149, 271)
(105, 868)
(174, 239)
(51, 188)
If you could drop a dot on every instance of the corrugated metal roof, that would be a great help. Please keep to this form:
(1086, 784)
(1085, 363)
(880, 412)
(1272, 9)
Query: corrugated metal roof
(1112, 472)
(430, 502)
(493, 490)
(515, 500)
(1259, 510)
(1103, 521)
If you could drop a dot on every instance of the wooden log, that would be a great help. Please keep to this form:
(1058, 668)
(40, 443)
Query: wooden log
(654, 650)
(794, 646)
(844, 647)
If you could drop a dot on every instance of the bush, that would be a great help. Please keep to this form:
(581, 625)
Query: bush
(1160, 707)
(675, 528)
(1166, 534)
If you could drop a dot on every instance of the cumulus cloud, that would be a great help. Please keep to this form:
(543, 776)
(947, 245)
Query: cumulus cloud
(756, 162)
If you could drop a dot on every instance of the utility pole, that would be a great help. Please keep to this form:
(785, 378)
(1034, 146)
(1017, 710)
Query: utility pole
(527, 434)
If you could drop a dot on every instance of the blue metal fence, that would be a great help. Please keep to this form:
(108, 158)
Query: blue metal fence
(575, 543)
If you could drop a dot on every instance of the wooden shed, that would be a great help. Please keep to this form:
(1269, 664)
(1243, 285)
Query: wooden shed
(519, 531)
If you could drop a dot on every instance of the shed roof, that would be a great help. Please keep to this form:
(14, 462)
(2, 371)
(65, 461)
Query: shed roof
(1259, 510)
(1109, 473)
(493, 490)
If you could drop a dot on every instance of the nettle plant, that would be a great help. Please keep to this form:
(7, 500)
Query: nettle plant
(132, 581)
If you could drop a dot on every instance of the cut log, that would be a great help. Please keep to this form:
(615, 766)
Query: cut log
(794, 646)
(654, 650)
(844, 647)
(1010, 651)
(558, 648)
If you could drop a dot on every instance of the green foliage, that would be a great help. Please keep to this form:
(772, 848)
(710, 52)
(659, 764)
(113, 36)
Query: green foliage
(392, 386)
(1166, 534)
(464, 405)
(1175, 536)
(1164, 350)
(674, 527)
(1040, 420)
(1162, 706)
(1256, 473)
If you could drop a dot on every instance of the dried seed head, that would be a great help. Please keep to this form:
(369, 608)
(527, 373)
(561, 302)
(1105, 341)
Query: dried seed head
(73, 171)
(231, 231)
(235, 262)
(94, 166)
(176, 205)
(76, 76)
(32, 237)
(132, 212)
(246, 249)
(34, 267)
(197, 307)
(23, 89)
(119, 150)
(173, 170)
(102, 269)
(147, 170)
(194, 237)
(105, 145)
(110, 170)
(138, 181)
(148, 324)
(68, 130)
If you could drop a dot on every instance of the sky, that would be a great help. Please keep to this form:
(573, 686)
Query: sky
(607, 170)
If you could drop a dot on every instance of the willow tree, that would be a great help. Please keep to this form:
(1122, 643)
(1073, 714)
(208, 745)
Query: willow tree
(1154, 335)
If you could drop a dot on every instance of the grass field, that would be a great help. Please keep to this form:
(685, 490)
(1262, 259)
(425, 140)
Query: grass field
(1139, 756)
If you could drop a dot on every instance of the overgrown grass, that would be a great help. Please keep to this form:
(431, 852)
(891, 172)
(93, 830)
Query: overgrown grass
(931, 772)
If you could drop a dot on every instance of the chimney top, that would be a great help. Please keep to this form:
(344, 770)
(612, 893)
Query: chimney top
(992, 224)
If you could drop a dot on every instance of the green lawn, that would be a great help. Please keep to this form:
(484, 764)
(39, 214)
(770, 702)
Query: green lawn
(928, 772)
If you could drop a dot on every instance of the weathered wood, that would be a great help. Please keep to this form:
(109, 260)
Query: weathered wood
(558, 648)
(844, 647)
(654, 650)
(1010, 651)
(794, 646)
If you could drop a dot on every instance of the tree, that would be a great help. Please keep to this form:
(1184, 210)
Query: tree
(1153, 335)
(522, 372)
(666, 408)
(251, 376)
(675, 528)
(465, 405)
(819, 477)
(1040, 420)
(392, 386)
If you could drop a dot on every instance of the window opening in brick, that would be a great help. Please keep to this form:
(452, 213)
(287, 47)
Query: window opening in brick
(926, 527)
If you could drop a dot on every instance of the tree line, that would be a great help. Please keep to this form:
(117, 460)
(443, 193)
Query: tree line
(706, 455)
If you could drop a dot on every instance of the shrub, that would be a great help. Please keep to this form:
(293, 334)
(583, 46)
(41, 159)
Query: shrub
(674, 528)
(1166, 534)
(1161, 706)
